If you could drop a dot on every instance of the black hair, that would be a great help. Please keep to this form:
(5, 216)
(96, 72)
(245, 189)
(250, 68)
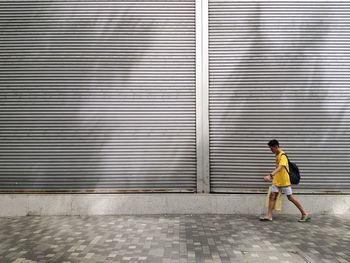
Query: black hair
(273, 143)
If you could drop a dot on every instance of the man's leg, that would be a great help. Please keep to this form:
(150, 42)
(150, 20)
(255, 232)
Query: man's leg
(272, 202)
(298, 205)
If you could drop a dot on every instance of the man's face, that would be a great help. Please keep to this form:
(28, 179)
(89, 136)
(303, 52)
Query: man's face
(274, 149)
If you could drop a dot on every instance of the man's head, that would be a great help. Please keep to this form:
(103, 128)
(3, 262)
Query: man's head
(274, 146)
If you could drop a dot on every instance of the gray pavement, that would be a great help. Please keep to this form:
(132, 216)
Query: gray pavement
(174, 238)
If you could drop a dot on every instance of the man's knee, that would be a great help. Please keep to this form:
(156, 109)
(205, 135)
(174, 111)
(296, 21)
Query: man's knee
(273, 196)
(290, 197)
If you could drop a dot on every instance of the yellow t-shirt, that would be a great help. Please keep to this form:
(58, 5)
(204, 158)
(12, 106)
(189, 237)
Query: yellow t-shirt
(281, 179)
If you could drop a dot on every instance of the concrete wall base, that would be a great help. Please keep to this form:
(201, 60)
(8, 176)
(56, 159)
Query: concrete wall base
(135, 204)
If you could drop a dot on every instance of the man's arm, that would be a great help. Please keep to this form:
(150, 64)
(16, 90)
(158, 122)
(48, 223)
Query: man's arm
(271, 175)
(277, 170)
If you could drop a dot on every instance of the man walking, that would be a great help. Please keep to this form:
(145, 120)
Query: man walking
(281, 182)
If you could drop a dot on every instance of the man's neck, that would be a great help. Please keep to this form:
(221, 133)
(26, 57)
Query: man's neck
(278, 151)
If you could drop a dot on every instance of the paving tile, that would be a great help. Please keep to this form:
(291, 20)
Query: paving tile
(173, 238)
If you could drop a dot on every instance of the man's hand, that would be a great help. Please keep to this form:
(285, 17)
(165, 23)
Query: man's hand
(267, 178)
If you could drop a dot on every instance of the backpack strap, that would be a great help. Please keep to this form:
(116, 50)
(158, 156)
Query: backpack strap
(288, 163)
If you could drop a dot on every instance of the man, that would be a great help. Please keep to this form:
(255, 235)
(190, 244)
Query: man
(281, 182)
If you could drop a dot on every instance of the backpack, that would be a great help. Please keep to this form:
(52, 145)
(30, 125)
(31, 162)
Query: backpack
(294, 174)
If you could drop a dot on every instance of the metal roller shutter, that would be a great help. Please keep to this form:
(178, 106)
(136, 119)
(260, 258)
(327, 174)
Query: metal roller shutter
(279, 69)
(97, 96)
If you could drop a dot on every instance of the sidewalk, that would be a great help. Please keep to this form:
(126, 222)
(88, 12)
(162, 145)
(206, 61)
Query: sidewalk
(174, 238)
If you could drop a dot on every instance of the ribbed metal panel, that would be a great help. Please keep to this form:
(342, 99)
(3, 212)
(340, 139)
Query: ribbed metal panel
(97, 95)
(279, 69)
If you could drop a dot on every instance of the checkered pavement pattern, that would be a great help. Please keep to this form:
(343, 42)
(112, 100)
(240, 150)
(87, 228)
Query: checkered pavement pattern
(174, 238)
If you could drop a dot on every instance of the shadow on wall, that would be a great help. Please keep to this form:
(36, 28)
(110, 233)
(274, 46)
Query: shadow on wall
(103, 116)
(285, 82)
(98, 95)
(69, 71)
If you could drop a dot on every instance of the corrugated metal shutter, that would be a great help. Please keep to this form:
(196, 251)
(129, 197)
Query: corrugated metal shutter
(279, 69)
(98, 95)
